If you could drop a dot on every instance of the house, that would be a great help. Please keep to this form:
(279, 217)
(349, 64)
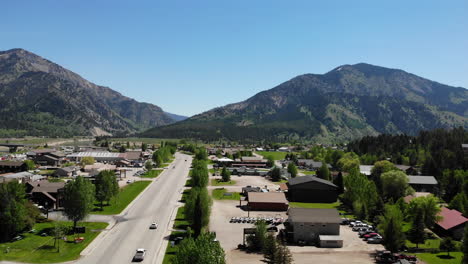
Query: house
(452, 223)
(409, 170)
(307, 224)
(21, 177)
(267, 201)
(96, 168)
(366, 169)
(133, 155)
(423, 183)
(12, 166)
(311, 189)
(311, 164)
(70, 171)
(45, 193)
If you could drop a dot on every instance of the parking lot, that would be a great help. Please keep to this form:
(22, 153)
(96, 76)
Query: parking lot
(354, 249)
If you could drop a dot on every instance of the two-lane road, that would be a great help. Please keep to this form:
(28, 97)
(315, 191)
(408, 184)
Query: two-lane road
(156, 203)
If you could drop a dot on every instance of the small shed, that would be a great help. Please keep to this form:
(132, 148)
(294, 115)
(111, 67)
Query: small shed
(330, 241)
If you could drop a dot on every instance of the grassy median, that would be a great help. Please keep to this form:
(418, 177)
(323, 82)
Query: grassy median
(123, 199)
(35, 248)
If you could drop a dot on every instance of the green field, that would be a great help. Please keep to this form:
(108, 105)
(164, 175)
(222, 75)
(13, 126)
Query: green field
(315, 205)
(123, 199)
(441, 258)
(275, 154)
(307, 172)
(38, 249)
(218, 182)
(152, 174)
(218, 194)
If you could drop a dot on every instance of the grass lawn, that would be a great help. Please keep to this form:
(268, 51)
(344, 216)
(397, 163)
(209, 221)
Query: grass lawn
(38, 249)
(315, 205)
(152, 174)
(277, 155)
(279, 182)
(307, 172)
(180, 221)
(218, 194)
(125, 197)
(441, 258)
(46, 172)
(429, 243)
(218, 182)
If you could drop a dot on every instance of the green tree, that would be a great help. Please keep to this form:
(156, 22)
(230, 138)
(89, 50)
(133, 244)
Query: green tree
(87, 161)
(348, 162)
(59, 231)
(203, 249)
(394, 184)
(78, 199)
(276, 174)
(447, 245)
(338, 181)
(148, 165)
(144, 146)
(292, 169)
(270, 161)
(256, 242)
(465, 246)
(323, 172)
(106, 186)
(391, 224)
(270, 249)
(416, 233)
(158, 159)
(197, 209)
(201, 154)
(283, 255)
(379, 168)
(226, 175)
(30, 164)
(429, 206)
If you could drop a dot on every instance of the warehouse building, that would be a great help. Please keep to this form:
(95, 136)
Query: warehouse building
(267, 201)
(311, 189)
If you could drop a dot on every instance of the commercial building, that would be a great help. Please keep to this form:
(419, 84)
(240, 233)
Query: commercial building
(98, 156)
(267, 201)
(311, 189)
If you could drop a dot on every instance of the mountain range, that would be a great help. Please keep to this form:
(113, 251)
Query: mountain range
(41, 98)
(346, 103)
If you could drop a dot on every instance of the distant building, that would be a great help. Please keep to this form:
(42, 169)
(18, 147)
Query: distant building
(452, 223)
(12, 166)
(70, 171)
(311, 189)
(249, 188)
(250, 162)
(267, 201)
(307, 224)
(21, 177)
(96, 168)
(423, 183)
(310, 164)
(98, 156)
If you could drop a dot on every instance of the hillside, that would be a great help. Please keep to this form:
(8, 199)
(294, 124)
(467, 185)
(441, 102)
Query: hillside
(346, 103)
(41, 98)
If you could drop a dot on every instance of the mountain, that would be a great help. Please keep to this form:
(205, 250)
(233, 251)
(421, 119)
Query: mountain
(41, 98)
(175, 117)
(346, 103)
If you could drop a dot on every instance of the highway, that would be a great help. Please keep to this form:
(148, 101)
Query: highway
(131, 231)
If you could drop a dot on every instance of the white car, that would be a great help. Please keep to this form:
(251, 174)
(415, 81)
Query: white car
(154, 225)
(140, 254)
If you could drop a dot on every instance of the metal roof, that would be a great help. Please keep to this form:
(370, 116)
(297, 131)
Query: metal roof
(268, 197)
(422, 180)
(308, 178)
(314, 215)
(96, 155)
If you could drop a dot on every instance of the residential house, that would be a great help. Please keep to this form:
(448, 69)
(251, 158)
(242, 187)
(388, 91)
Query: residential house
(12, 166)
(45, 193)
(423, 183)
(103, 156)
(311, 189)
(310, 164)
(308, 224)
(250, 162)
(70, 171)
(452, 223)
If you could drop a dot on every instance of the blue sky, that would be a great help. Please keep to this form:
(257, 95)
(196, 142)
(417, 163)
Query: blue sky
(191, 56)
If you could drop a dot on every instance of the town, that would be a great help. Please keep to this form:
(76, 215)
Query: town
(274, 202)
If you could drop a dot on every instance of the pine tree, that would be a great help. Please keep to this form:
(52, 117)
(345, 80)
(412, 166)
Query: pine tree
(283, 255)
(226, 175)
(416, 233)
(270, 248)
(465, 245)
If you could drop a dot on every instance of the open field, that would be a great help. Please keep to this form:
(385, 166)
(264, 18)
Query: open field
(152, 174)
(275, 154)
(43, 141)
(35, 248)
(441, 258)
(218, 194)
(218, 182)
(123, 199)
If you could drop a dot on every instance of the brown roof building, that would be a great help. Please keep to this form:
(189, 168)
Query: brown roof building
(267, 201)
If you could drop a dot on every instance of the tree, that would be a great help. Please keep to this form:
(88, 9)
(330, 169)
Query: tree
(338, 181)
(30, 164)
(394, 184)
(87, 161)
(144, 146)
(348, 162)
(429, 206)
(379, 168)
(276, 174)
(59, 231)
(416, 233)
(447, 244)
(78, 199)
(197, 209)
(203, 249)
(391, 227)
(270, 249)
(256, 242)
(283, 255)
(323, 172)
(226, 175)
(157, 159)
(270, 161)
(465, 245)
(106, 186)
(148, 165)
(292, 169)
(16, 213)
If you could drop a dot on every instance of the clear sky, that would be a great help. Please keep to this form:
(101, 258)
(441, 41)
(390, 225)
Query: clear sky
(191, 56)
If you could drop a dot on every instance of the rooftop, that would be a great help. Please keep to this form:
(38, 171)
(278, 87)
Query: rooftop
(46, 186)
(451, 218)
(97, 154)
(308, 178)
(314, 215)
(422, 180)
(268, 197)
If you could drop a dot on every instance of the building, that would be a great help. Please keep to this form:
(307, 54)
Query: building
(423, 183)
(21, 177)
(452, 223)
(307, 224)
(311, 189)
(96, 168)
(250, 162)
(133, 155)
(70, 171)
(98, 156)
(249, 188)
(267, 201)
(409, 170)
(12, 166)
(465, 148)
(311, 164)
(45, 193)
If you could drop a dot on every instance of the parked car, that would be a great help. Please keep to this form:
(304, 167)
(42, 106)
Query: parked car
(344, 221)
(370, 235)
(365, 232)
(129, 181)
(273, 228)
(355, 223)
(385, 257)
(139, 255)
(360, 228)
(375, 240)
(154, 225)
